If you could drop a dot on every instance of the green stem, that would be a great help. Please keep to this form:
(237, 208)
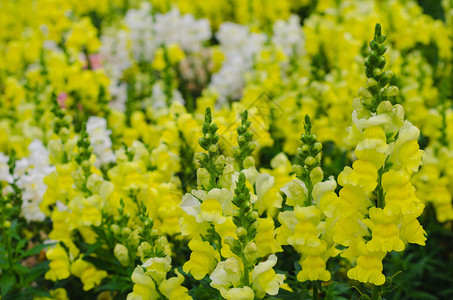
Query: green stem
(380, 202)
(315, 292)
(376, 295)
(309, 184)
(246, 269)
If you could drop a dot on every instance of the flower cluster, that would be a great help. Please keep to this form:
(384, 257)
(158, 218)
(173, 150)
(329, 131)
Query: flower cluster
(378, 208)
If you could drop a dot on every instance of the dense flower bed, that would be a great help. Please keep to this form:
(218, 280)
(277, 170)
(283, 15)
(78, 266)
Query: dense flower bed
(225, 149)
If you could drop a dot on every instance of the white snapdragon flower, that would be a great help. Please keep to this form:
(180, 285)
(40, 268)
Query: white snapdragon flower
(116, 58)
(100, 140)
(239, 46)
(4, 169)
(288, 35)
(30, 173)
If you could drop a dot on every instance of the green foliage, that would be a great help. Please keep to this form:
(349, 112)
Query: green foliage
(16, 279)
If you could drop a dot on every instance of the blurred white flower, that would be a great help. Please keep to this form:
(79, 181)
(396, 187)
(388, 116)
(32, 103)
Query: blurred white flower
(239, 46)
(100, 140)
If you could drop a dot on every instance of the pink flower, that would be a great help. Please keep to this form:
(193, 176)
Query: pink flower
(96, 61)
(61, 99)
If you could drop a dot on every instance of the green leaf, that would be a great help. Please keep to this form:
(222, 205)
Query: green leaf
(21, 269)
(36, 271)
(121, 286)
(3, 263)
(37, 249)
(21, 244)
(6, 283)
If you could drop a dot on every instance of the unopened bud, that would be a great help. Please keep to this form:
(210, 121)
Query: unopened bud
(249, 162)
(371, 82)
(309, 161)
(213, 148)
(364, 93)
(67, 119)
(317, 146)
(254, 215)
(230, 241)
(241, 232)
(241, 139)
(86, 165)
(213, 128)
(122, 254)
(251, 252)
(64, 133)
(6, 224)
(391, 91)
(381, 62)
(126, 231)
(316, 175)
(384, 106)
(144, 249)
(297, 169)
(115, 229)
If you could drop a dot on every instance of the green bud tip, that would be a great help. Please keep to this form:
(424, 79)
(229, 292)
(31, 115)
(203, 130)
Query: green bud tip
(307, 124)
(208, 117)
(377, 31)
(244, 116)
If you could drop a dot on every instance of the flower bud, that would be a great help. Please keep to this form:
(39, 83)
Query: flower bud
(64, 134)
(373, 54)
(115, 229)
(370, 83)
(126, 231)
(384, 106)
(199, 156)
(381, 50)
(144, 249)
(203, 177)
(154, 232)
(364, 93)
(86, 165)
(316, 175)
(230, 241)
(391, 91)
(213, 128)
(381, 61)
(249, 162)
(297, 169)
(122, 254)
(6, 224)
(251, 252)
(213, 148)
(309, 161)
(241, 232)
(67, 119)
(317, 146)
(236, 150)
(254, 215)
(376, 73)
(55, 148)
(220, 161)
